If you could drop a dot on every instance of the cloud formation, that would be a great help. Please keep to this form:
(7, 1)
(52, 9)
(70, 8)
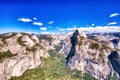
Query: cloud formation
(37, 23)
(24, 19)
(43, 28)
(35, 18)
(50, 22)
(114, 14)
(112, 23)
(61, 29)
(93, 25)
(68, 29)
(101, 29)
(45, 32)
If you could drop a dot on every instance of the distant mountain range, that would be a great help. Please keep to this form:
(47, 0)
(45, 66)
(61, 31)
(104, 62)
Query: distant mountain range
(102, 29)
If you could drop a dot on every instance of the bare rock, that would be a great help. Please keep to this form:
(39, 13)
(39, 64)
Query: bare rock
(25, 52)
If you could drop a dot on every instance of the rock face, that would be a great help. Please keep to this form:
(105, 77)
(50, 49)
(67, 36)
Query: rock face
(74, 41)
(51, 40)
(19, 52)
(116, 43)
(114, 58)
(98, 55)
(81, 33)
(90, 56)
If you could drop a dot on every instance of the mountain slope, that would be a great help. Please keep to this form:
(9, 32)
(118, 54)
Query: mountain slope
(42, 57)
(54, 68)
(90, 56)
(19, 52)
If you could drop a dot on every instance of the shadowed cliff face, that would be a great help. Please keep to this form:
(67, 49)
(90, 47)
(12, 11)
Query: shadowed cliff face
(114, 58)
(89, 56)
(74, 41)
(115, 42)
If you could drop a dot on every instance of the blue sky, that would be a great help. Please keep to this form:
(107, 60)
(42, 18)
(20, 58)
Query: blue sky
(57, 15)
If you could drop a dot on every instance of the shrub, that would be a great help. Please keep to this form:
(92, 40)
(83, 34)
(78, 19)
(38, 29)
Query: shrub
(87, 76)
(80, 43)
(19, 40)
(111, 78)
(7, 54)
(31, 49)
(76, 74)
(4, 41)
(104, 47)
(4, 37)
(94, 46)
(54, 68)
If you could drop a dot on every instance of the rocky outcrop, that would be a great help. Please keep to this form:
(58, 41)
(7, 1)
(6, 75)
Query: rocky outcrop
(19, 52)
(81, 33)
(114, 58)
(74, 41)
(51, 41)
(22, 51)
(116, 43)
(89, 56)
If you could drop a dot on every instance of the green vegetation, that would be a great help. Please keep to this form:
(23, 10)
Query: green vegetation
(39, 45)
(111, 78)
(53, 68)
(94, 45)
(7, 54)
(25, 34)
(19, 40)
(80, 43)
(101, 55)
(88, 76)
(7, 37)
(101, 58)
(4, 41)
(29, 35)
(58, 47)
(31, 49)
(104, 47)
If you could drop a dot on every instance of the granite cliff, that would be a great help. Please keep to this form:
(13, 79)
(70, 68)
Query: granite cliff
(94, 54)
(19, 52)
(93, 57)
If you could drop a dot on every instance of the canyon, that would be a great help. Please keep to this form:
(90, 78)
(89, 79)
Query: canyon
(96, 54)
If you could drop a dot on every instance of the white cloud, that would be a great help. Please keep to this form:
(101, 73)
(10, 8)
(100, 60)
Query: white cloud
(112, 23)
(37, 23)
(68, 29)
(43, 28)
(24, 19)
(61, 29)
(93, 25)
(50, 22)
(45, 32)
(97, 29)
(114, 14)
(35, 18)
(101, 29)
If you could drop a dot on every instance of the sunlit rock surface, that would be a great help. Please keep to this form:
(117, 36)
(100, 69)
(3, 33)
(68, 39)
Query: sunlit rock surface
(26, 50)
(91, 56)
